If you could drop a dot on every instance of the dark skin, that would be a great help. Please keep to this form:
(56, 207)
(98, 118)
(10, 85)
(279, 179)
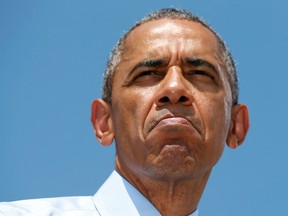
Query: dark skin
(171, 113)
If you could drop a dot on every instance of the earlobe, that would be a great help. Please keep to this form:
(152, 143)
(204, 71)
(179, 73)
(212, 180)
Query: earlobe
(101, 121)
(239, 126)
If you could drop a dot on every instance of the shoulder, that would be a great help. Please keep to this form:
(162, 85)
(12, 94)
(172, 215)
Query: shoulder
(74, 206)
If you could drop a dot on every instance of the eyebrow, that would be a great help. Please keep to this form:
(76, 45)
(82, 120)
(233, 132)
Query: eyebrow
(156, 63)
(152, 63)
(196, 62)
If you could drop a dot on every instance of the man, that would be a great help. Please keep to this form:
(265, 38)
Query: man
(170, 102)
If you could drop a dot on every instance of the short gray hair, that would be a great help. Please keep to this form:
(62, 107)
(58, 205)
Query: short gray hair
(170, 13)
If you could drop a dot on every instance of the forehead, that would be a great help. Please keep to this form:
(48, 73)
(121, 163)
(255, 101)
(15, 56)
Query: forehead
(171, 36)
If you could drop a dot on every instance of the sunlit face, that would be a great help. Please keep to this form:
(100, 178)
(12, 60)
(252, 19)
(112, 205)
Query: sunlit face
(171, 101)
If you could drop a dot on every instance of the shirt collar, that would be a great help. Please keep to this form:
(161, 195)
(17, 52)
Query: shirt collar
(118, 197)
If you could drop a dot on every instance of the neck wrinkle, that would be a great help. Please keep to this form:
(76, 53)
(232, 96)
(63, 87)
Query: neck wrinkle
(170, 197)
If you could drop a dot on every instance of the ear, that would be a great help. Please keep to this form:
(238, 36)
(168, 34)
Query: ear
(239, 126)
(102, 122)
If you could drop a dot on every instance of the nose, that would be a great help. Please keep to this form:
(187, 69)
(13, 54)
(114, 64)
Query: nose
(174, 89)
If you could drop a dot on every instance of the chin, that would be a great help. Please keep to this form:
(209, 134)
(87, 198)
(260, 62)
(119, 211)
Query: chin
(171, 174)
(164, 167)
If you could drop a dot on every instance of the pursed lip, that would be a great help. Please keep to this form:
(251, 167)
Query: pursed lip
(172, 120)
(175, 119)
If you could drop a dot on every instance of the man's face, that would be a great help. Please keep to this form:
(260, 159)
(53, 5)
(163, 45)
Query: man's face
(171, 101)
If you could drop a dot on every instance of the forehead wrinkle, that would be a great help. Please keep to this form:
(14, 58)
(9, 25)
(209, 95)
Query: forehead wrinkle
(163, 49)
(186, 40)
(167, 27)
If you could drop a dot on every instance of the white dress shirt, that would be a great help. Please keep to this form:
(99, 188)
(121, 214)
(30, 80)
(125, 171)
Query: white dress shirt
(116, 197)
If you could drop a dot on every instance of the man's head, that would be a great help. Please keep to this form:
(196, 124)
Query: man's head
(171, 13)
(173, 100)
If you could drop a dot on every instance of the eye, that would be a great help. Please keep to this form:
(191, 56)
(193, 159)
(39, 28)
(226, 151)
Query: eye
(146, 73)
(148, 77)
(201, 74)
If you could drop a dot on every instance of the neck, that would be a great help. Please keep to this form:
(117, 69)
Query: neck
(170, 196)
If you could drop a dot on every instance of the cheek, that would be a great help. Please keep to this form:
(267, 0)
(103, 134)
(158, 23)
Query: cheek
(130, 109)
(216, 121)
(138, 100)
(129, 112)
(217, 113)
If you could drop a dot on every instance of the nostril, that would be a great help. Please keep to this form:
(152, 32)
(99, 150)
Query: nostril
(164, 100)
(183, 99)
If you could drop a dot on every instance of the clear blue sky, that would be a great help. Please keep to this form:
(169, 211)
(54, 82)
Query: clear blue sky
(52, 55)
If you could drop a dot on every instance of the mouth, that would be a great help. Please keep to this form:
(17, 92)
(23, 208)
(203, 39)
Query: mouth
(175, 121)
(172, 121)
